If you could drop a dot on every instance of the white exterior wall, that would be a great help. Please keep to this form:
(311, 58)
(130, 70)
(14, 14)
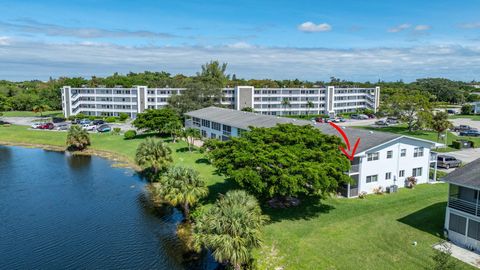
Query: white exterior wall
(331, 100)
(394, 165)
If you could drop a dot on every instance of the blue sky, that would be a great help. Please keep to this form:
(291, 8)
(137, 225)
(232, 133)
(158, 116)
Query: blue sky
(355, 40)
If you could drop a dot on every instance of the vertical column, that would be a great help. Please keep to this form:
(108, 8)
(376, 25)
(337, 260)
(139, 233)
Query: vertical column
(67, 93)
(330, 100)
(377, 99)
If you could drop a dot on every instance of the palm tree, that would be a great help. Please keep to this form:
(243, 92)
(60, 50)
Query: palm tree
(154, 155)
(440, 123)
(174, 128)
(231, 228)
(190, 134)
(180, 186)
(309, 105)
(41, 108)
(77, 138)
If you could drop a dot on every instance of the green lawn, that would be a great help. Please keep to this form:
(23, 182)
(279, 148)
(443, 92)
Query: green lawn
(372, 233)
(475, 117)
(422, 134)
(31, 114)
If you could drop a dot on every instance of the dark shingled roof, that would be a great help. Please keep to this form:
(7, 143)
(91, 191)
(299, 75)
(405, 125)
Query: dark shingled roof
(469, 175)
(244, 120)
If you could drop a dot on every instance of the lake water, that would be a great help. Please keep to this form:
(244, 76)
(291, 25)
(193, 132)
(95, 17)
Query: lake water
(59, 211)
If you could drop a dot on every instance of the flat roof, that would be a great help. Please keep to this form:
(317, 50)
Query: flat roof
(244, 120)
(468, 175)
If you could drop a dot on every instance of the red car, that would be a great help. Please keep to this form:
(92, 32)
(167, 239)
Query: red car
(47, 126)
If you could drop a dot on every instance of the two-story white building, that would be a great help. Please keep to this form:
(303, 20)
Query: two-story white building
(462, 215)
(382, 159)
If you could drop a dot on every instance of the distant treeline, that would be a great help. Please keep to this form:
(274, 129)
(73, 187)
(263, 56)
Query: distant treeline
(28, 94)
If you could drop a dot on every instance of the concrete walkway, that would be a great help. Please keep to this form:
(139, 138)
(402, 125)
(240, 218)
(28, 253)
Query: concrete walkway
(461, 254)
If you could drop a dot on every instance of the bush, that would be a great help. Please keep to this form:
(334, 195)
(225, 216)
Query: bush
(123, 116)
(467, 109)
(116, 130)
(362, 195)
(80, 116)
(91, 118)
(110, 119)
(411, 182)
(130, 134)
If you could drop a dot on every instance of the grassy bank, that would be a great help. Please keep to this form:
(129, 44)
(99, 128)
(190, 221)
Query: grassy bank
(472, 117)
(426, 135)
(373, 233)
(32, 114)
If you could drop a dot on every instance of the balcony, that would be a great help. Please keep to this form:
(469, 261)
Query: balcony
(354, 169)
(464, 206)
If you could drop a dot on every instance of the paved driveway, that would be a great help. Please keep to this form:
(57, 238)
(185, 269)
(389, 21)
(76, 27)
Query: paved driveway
(465, 155)
(466, 121)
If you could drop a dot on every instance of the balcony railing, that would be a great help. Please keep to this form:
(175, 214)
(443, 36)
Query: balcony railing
(354, 168)
(464, 206)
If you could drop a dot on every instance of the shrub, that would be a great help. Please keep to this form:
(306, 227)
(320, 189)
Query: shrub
(130, 134)
(362, 195)
(80, 116)
(123, 116)
(456, 145)
(110, 119)
(378, 190)
(72, 117)
(116, 130)
(467, 109)
(91, 118)
(411, 181)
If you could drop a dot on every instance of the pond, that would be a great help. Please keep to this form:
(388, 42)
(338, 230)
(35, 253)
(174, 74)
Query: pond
(59, 211)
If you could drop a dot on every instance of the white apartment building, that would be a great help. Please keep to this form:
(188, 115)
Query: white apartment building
(103, 101)
(382, 159)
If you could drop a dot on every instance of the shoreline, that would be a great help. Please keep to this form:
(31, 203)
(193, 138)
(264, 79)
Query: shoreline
(120, 161)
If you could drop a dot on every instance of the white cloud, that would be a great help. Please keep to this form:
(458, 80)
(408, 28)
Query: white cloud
(34, 60)
(312, 27)
(422, 27)
(399, 28)
(240, 45)
(472, 25)
(4, 41)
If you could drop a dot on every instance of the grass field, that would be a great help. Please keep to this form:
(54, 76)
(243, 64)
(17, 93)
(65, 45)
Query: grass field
(475, 117)
(372, 233)
(422, 134)
(31, 114)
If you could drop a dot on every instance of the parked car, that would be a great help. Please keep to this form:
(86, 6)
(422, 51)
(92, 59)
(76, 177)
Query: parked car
(89, 127)
(382, 123)
(342, 120)
(463, 128)
(84, 122)
(47, 126)
(104, 128)
(371, 116)
(62, 126)
(98, 122)
(319, 120)
(392, 120)
(470, 132)
(359, 116)
(447, 162)
(58, 120)
(450, 111)
(37, 125)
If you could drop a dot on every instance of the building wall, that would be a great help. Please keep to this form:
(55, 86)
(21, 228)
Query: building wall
(270, 101)
(394, 165)
(458, 238)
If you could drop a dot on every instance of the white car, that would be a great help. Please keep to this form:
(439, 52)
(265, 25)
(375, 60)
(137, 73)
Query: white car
(36, 125)
(89, 127)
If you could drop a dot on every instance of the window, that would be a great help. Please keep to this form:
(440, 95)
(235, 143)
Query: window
(372, 156)
(403, 152)
(388, 176)
(457, 224)
(389, 154)
(401, 173)
(372, 178)
(418, 152)
(204, 133)
(205, 123)
(227, 130)
(474, 229)
(216, 126)
(417, 172)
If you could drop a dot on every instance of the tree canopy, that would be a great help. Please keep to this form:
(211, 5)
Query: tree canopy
(285, 160)
(157, 120)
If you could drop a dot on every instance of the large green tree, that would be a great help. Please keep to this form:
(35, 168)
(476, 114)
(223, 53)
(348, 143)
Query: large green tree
(153, 155)
(156, 120)
(204, 90)
(77, 138)
(180, 186)
(412, 107)
(190, 135)
(285, 160)
(231, 228)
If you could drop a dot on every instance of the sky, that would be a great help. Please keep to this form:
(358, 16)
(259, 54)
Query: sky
(309, 40)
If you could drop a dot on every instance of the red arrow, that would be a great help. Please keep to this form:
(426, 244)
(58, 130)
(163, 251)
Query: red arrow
(347, 142)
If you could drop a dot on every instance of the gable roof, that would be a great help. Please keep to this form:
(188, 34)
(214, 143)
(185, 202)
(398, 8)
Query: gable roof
(468, 175)
(244, 120)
